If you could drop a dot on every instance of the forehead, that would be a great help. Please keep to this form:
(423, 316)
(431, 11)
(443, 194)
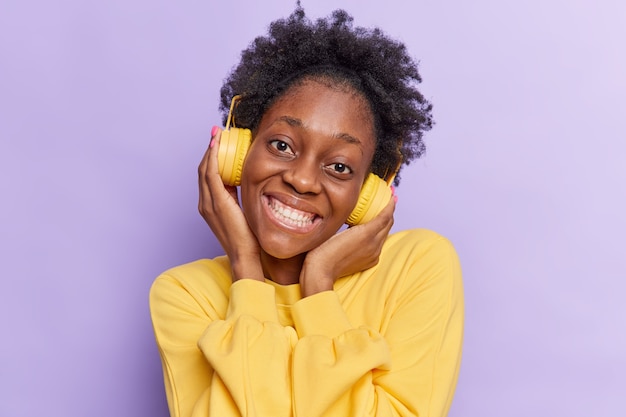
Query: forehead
(325, 106)
(313, 84)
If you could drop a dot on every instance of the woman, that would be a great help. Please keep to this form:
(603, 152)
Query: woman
(299, 318)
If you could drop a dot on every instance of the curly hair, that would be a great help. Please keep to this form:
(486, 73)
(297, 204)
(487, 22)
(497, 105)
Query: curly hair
(334, 51)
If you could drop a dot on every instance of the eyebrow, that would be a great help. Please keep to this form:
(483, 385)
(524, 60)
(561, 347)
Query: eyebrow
(295, 122)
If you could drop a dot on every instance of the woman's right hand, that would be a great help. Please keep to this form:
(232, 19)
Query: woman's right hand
(219, 206)
(337, 256)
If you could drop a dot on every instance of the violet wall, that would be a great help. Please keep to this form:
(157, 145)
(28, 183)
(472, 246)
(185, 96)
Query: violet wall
(105, 111)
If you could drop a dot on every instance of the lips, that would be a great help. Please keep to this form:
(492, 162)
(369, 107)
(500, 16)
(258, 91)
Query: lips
(290, 216)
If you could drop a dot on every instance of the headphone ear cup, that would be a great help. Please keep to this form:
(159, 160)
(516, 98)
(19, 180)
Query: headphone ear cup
(375, 195)
(234, 145)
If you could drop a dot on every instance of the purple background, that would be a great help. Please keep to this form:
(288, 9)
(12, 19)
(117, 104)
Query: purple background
(105, 109)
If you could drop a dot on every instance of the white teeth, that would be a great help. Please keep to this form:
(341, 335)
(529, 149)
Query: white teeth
(291, 215)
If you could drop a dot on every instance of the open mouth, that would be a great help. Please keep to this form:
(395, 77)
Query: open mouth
(290, 216)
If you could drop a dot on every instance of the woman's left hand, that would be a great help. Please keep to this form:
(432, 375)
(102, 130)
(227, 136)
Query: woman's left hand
(337, 256)
(219, 206)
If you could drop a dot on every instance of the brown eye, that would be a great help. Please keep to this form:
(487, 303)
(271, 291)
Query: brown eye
(281, 146)
(339, 168)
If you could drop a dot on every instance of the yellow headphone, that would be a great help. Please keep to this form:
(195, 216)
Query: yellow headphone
(235, 142)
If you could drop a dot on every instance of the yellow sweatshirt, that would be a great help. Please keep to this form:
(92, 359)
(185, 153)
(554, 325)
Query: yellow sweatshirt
(385, 342)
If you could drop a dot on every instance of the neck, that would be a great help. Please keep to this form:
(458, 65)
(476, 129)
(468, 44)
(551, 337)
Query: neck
(282, 271)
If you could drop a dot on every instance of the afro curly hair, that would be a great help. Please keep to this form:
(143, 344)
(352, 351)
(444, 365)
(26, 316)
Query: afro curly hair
(332, 50)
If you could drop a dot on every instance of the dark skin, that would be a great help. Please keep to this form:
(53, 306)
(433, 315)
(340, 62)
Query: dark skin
(301, 179)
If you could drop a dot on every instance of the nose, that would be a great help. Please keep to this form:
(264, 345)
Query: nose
(304, 176)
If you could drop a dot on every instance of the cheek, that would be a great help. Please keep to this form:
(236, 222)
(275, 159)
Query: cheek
(251, 170)
(344, 201)
(246, 188)
(253, 177)
(255, 165)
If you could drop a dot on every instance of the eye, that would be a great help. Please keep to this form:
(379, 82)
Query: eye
(281, 146)
(339, 168)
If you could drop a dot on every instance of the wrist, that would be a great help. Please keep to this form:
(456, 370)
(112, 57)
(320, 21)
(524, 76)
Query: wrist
(246, 268)
(314, 280)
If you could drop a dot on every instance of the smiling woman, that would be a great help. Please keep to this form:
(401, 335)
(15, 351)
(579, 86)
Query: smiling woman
(306, 160)
(299, 318)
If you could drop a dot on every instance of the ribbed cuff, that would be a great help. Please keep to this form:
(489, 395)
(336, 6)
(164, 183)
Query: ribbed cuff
(320, 314)
(254, 298)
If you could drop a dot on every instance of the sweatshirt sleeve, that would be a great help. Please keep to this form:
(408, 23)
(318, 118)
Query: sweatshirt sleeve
(251, 353)
(178, 318)
(409, 369)
(222, 349)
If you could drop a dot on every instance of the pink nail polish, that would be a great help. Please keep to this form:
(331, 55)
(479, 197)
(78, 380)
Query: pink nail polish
(214, 130)
(395, 199)
(393, 190)
(211, 143)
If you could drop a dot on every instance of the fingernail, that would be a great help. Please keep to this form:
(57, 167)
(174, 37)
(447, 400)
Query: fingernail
(214, 130)
(395, 199)
(393, 190)
(211, 143)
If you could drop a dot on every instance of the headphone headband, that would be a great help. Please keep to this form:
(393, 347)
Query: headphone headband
(233, 102)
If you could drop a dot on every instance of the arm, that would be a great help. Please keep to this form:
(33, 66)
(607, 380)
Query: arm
(178, 317)
(223, 351)
(219, 206)
(409, 368)
(221, 344)
(251, 352)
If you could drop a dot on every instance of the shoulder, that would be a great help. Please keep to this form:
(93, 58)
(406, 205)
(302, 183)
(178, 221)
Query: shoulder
(421, 256)
(198, 283)
(416, 243)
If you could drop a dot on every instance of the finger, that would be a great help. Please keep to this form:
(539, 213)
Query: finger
(377, 229)
(389, 209)
(384, 218)
(203, 186)
(211, 175)
(212, 158)
(205, 158)
(232, 190)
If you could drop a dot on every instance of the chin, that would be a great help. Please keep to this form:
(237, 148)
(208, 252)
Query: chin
(284, 250)
(282, 238)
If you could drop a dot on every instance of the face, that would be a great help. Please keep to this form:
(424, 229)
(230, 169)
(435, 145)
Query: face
(301, 180)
